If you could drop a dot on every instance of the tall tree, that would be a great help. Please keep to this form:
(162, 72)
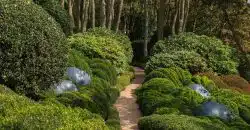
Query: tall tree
(118, 19)
(160, 19)
(175, 17)
(85, 16)
(145, 47)
(62, 3)
(92, 13)
(77, 14)
(110, 12)
(103, 14)
(70, 10)
(181, 15)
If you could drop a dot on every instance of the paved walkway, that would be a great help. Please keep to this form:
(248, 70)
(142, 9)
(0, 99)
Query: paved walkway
(126, 105)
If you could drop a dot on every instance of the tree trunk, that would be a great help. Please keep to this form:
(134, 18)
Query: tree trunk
(145, 47)
(85, 16)
(175, 17)
(62, 3)
(118, 20)
(77, 9)
(103, 14)
(160, 20)
(110, 14)
(92, 13)
(181, 15)
(186, 15)
(70, 10)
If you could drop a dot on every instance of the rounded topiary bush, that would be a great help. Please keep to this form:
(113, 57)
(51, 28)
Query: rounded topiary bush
(121, 38)
(32, 48)
(54, 8)
(76, 59)
(184, 59)
(100, 47)
(219, 57)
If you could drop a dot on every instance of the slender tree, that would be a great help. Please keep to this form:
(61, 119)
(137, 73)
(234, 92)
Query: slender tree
(145, 47)
(103, 14)
(110, 14)
(92, 13)
(175, 17)
(62, 3)
(85, 16)
(181, 15)
(70, 10)
(118, 19)
(160, 19)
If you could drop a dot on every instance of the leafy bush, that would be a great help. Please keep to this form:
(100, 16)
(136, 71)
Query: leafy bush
(121, 38)
(235, 81)
(100, 47)
(104, 70)
(179, 122)
(113, 121)
(219, 57)
(32, 47)
(124, 80)
(166, 110)
(76, 59)
(54, 8)
(184, 59)
(18, 112)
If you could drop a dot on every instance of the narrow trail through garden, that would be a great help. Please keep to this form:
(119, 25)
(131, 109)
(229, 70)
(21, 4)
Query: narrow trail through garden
(126, 105)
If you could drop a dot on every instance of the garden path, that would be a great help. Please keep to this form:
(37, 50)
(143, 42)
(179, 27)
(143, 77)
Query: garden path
(126, 105)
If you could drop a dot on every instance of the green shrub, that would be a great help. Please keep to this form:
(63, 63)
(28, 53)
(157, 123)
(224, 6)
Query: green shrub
(219, 57)
(179, 122)
(32, 45)
(124, 80)
(235, 81)
(100, 47)
(76, 59)
(18, 112)
(113, 121)
(245, 113)
(166, 110)
(105, 68)
(184, 59)
(54, 8)
(121, 38)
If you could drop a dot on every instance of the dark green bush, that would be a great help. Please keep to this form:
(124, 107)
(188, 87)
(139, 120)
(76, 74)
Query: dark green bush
(184, 59)
(166, 110)
(113, 121)
(18, 112)
(245, 113)
(32, 47)
(121, 38)
(101, 67)
(219, 57)
(76, 59)
(179, 122)
(54, 8)
(100, 47)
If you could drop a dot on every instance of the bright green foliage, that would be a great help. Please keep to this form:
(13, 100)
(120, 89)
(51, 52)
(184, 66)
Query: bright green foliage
(54, 8)
(18, 112)
(32, 45)
(113, 121)
(100, 47)
(124, 80)
(177, 75)
(162, 92)
(104, 70)
(184, 59)
(204, 81)
(121, 38)
(219, 57)
(166, 110)
(179, 122)
(76, 59)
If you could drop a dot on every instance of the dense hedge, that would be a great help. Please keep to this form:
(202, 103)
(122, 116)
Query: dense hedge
(76, 59)
(32, 48)
(166, 92)
(100, 47)
(233, 82)
(121, 38)
(219, 57)
(179, 122)
(18, 112)
(185, 59)
(54, 8)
